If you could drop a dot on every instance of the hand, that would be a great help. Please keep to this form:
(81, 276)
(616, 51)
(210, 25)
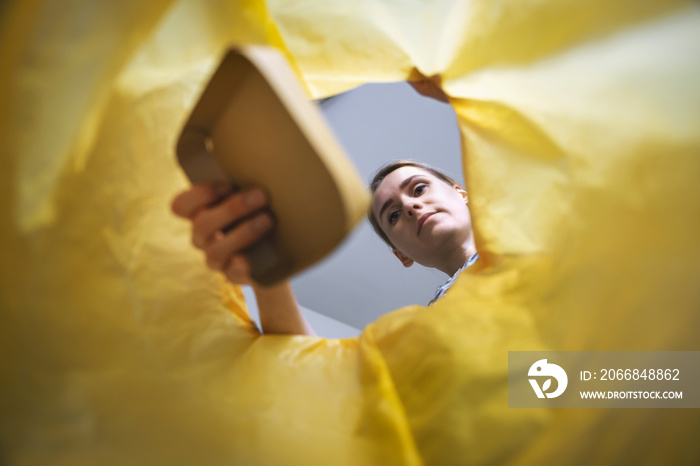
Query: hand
(212, 208)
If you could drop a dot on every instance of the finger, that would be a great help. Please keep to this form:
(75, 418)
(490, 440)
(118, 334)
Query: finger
(219, 253)
(188, 203)
(208, 221)
(238, 270)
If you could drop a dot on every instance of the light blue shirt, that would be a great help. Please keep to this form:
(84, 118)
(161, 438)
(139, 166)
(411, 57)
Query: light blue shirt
(440, 292)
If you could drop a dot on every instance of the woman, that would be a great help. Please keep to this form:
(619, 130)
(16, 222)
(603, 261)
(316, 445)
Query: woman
(418, 211)
(423, 215)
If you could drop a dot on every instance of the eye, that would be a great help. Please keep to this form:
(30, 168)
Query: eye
(393, 217)
(419, 189)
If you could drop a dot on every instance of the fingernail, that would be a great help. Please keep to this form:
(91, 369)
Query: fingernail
(255, 198)
(222, 189)
(261, 223)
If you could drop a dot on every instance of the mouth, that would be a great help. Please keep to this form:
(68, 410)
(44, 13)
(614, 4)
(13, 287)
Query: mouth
(422, 219)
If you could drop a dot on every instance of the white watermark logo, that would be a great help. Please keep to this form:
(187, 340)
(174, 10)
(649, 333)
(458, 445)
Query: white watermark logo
(543, 369)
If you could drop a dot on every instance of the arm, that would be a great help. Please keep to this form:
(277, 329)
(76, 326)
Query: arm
(279, 311)
(212, 207)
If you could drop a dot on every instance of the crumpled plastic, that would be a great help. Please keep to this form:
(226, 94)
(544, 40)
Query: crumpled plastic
(580, 125)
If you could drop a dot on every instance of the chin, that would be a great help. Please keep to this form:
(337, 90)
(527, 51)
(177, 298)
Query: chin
(449, 232)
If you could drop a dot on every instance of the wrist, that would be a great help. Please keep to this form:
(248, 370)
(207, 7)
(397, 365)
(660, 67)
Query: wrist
(279, 287)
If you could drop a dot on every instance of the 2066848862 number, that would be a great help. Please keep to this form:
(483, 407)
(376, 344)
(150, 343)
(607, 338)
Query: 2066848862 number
(636, 374)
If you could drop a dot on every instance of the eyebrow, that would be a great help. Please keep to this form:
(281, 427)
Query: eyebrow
(389, 201)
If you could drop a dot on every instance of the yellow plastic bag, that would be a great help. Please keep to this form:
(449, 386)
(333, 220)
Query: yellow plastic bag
(581, 129)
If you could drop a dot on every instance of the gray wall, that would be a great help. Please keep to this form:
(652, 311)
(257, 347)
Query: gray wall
(376, 123)
(362, 280)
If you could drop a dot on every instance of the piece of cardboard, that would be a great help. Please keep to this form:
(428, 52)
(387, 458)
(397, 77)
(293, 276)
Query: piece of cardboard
(255, 126)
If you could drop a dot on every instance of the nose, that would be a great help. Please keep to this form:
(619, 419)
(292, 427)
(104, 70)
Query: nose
(412, 207)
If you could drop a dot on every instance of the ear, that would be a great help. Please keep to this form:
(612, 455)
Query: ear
(462, 193)
(405, 260)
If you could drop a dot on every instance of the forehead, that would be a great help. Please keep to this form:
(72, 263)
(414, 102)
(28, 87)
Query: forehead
(391, 184)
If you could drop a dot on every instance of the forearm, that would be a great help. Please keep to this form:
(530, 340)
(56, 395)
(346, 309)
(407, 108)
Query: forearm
(279, 311)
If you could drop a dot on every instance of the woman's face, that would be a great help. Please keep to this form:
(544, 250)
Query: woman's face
(424, 217)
